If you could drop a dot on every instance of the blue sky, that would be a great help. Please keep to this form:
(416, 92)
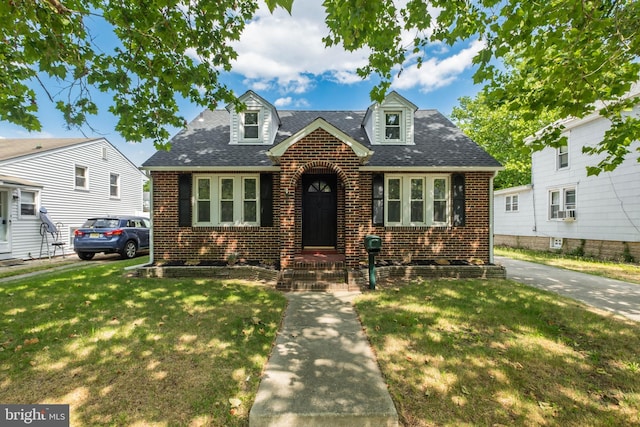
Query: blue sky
(283, 59)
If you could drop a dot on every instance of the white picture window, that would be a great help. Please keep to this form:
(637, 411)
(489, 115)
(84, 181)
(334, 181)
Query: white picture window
(226, 200)
(511, 203)
(28, 203)
(114, 185)
(417, 200)
(81, 177)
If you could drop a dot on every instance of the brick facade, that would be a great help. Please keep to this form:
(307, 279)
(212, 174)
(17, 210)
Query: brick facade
(320, 153)
(405, 244)
(174, 243)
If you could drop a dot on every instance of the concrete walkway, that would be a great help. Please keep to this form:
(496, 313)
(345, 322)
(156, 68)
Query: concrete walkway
(618, 297)
(322, 371)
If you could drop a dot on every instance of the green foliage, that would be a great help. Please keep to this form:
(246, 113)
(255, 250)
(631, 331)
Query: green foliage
(166, 49)
(626, 254)
(579, 250)
(501, 132)
(570, 54)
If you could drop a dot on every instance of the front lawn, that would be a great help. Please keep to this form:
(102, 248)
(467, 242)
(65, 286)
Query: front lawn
(128, 351)
(493, 353)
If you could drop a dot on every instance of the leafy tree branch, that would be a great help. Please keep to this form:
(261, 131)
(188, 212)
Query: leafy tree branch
(571, 54)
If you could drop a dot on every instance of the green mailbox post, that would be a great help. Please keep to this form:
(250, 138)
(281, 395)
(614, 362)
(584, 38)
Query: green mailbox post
(372, 244)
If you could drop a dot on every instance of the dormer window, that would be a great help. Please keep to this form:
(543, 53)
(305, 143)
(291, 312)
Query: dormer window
(392, 130)
(391, 121)
(251, 126)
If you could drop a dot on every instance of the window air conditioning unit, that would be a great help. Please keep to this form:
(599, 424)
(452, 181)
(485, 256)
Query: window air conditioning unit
(569, 215)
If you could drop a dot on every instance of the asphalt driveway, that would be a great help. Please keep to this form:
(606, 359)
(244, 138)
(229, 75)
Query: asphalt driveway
(619, 297)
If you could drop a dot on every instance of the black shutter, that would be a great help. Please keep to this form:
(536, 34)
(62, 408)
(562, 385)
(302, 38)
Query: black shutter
(457, 188)
(266, 200)
(377, 200)
(184, 200)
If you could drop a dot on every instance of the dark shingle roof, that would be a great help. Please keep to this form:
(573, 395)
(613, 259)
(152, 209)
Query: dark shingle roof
(205, 142)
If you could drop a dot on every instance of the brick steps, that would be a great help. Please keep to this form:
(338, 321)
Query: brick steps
(324, 276)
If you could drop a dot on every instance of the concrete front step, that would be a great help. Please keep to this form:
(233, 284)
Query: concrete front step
(308, 285)
(313, 280)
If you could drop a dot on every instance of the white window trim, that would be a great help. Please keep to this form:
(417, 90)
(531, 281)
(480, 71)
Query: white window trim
(242, 138)
(559, 154)
(36, 201)
(428, 199)
(86, 177)
(401, 126)
(509, 203)
(563, 205)
(215, 182)
(117, 175)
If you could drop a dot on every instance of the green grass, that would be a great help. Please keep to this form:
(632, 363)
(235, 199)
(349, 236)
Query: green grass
(128, 351)
(614, 270)
(24, 269)
(489, 353)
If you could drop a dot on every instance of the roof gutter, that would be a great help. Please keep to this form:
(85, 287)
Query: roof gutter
(403, 169)
(211, 168)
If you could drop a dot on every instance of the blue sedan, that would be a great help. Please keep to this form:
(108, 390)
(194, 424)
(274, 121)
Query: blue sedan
(126, 235)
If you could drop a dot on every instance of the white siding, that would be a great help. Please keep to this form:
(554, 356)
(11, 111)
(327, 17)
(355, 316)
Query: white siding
(607, 206)
(268, 119)
(520, 222)
(55, 171)
(374, 124)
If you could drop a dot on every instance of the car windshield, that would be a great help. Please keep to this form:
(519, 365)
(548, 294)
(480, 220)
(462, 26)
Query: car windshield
(101, 223)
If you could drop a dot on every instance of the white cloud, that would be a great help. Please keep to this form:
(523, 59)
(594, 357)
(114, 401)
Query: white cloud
(285, 53)
(436, 73)
(290, 102)
(283, 102)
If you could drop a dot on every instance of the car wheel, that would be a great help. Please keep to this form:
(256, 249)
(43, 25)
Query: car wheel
(130, 249)
(85, 255)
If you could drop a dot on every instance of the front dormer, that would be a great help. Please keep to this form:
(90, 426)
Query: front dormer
(391, 121)
(256, 124)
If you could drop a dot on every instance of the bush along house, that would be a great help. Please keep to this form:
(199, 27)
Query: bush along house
(298, 190)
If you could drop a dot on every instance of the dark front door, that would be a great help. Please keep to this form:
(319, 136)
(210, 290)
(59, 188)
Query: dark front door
(319, 210)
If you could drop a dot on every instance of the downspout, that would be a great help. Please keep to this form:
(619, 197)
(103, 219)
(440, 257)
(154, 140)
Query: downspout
(491, 228)
(151, 237)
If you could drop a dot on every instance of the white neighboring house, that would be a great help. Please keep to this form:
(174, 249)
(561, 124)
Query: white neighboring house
(73, 178)
(564, 209)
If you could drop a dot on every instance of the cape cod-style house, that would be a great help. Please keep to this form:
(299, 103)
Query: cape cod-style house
(269, 186)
